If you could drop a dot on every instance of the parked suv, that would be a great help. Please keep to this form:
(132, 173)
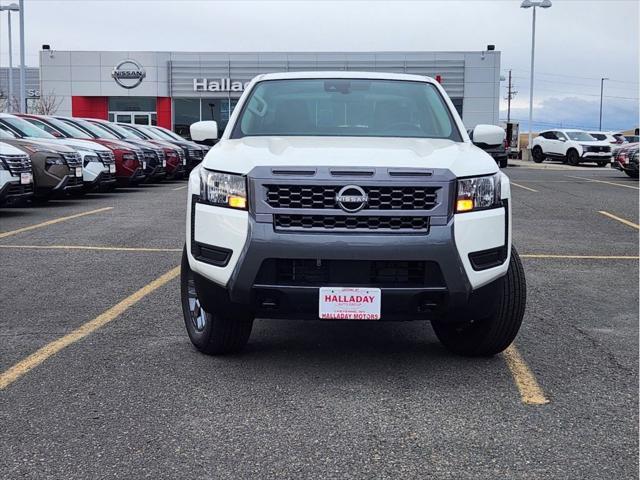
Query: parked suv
(16, 174)
(349, 196)
(176, 156)
(154, 155)
(626, 159)
(570, 146)
(130, 160)
(98, 163)
(194, 152)
(57, 169)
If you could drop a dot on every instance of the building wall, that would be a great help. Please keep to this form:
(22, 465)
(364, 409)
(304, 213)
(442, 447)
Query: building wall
(471, 77)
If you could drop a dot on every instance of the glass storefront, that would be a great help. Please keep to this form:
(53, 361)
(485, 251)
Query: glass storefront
(189, 110)
(137, 110)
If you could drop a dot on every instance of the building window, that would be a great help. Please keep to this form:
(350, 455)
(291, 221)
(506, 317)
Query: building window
(457, 102)
(132, 104)
(185, 112)
(191, 110)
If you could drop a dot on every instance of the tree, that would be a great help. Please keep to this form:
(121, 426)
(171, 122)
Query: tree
(46, 104)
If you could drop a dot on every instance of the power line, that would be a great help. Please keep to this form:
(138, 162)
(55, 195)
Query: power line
(572, 76)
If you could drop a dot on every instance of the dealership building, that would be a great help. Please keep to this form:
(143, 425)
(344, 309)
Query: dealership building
(175, 89)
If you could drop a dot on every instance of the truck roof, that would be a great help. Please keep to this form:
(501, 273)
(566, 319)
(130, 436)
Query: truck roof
(345, 74)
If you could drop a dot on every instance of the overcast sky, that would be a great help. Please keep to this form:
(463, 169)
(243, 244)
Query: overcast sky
(578, 41)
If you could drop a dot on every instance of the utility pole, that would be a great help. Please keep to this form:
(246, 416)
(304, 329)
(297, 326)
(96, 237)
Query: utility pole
(601, 91)
(511, 93)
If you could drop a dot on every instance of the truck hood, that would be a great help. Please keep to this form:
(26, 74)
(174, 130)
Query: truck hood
(242, 155)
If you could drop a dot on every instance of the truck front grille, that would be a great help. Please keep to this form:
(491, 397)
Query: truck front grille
(343, 223)
(324, 197)
(308, 272)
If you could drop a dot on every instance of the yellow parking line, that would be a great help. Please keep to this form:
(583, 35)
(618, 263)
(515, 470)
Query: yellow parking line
(604, 181)
(522, 186)
(89, 247)
(52, 222)
(621, 220)
(24, 366)
(582, 257)
(530, 391)
(180, 188)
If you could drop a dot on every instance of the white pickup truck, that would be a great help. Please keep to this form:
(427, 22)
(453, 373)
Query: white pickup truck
(349, 196)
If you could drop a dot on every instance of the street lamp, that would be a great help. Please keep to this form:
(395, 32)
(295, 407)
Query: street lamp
(601, 91)
(10, 8)
(534, 4)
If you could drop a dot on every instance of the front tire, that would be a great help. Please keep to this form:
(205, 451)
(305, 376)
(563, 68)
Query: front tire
(573, 158)
(489, 336)
(633, 174)
(503, 163)
(213, 333)
(537, 154)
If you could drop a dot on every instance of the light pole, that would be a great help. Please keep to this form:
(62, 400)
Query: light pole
(23, 93)
(601, 91)
(10, 8)
(534, 4)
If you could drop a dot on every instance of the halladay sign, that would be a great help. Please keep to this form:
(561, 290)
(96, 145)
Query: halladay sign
(223, 85)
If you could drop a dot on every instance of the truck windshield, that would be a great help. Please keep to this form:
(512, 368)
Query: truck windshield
(346, 107)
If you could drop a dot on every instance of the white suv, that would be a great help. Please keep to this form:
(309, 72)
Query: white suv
(16, 174)
(570, 146)
(350, 196)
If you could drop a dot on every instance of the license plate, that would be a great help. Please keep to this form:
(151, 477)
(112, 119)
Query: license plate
(112, 168)
(164, 163)
(26, 178)
(144, 165)
(350, 303)
(78, 171)
(184, 162)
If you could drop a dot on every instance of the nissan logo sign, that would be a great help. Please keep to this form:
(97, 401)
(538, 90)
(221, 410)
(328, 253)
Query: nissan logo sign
(128, 74)
(352, 198)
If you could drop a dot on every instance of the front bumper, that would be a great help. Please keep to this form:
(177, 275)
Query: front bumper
(233, 251)
(14, 191)
(444, 294)
(596, 156)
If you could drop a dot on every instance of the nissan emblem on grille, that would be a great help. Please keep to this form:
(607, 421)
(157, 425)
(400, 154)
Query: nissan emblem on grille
(352, 198)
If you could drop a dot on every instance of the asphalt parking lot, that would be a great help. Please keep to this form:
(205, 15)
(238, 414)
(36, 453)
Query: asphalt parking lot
(100, 380)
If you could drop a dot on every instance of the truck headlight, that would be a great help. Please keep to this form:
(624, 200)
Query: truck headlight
(223, 189)
(478, 193)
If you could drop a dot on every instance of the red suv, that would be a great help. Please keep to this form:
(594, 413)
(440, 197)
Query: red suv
(130, 159)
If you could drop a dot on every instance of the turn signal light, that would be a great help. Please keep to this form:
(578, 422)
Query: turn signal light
(464, 205)
(237, 202)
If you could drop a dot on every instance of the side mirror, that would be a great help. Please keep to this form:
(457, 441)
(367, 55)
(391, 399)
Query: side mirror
(488, 136)
(205, 131)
